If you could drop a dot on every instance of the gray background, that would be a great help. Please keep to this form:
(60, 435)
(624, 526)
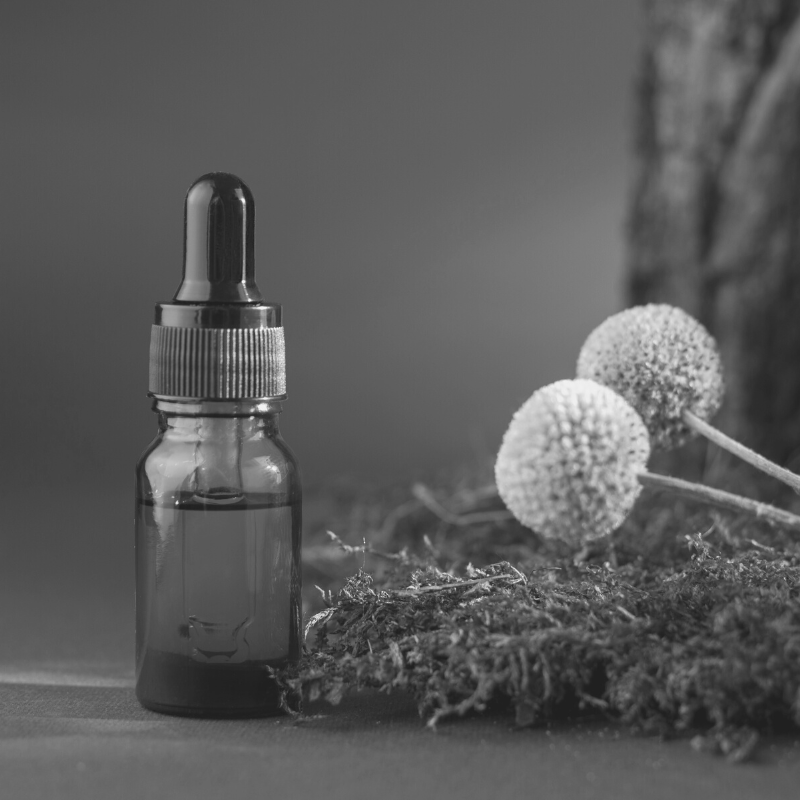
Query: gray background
(440, 190)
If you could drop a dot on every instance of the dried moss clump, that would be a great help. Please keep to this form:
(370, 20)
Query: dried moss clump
(663, 362)
(711, 649)
(569, 462)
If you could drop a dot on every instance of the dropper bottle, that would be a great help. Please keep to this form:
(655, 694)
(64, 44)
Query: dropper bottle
(218, 499)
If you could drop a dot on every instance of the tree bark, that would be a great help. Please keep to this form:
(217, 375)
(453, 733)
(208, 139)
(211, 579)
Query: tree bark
(714, 224)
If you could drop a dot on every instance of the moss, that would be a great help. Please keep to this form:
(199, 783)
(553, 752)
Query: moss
(699, 636)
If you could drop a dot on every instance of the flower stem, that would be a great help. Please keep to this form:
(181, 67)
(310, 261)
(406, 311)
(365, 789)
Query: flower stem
(745, 453)
(732, 502)
(425, 496)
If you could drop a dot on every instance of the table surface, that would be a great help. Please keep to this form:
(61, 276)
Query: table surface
(70, 726)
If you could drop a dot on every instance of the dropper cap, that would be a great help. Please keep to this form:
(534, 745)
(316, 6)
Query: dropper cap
(217, 339)
(219, 248)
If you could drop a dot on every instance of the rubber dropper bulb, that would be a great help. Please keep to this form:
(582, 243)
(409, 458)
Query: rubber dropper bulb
(219, 249)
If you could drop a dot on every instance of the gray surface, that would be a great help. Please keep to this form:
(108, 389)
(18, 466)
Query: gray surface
(71, 728)
(64, 734)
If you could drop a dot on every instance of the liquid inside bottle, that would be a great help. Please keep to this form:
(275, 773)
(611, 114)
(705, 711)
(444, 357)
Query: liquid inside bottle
(222, 590)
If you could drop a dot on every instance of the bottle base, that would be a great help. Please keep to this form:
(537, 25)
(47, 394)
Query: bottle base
(180, 686)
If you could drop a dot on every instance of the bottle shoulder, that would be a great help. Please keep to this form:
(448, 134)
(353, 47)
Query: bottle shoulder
(172, 465)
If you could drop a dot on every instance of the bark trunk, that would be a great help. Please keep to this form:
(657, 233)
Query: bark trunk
(715, 211)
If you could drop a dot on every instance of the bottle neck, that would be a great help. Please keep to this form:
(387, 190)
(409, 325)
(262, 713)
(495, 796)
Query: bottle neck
(174, 407)
(218, 417)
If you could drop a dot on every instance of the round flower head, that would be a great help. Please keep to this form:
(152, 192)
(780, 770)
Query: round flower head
(663, 362)
(569, 461)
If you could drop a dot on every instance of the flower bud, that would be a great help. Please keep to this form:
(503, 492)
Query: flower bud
(569, 462)
(663, 362)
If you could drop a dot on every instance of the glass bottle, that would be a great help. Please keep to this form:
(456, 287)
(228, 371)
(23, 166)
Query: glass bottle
(218, 498)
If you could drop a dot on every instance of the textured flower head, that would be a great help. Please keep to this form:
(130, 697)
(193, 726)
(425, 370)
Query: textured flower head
(569, 461)
(663, 362)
